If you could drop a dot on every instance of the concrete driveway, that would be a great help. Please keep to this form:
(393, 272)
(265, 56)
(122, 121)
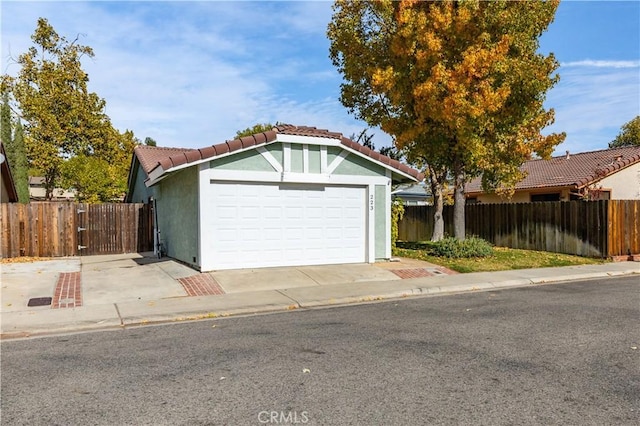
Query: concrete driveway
(120, 278)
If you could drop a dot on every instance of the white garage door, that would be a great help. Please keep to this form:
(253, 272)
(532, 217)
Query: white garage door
(259, 225)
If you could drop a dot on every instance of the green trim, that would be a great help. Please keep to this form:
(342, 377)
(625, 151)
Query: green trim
(358, 166)
(250, 160)
(296, 158)
(314, 159)
(276, 150)
(332, 153)
(380, 228)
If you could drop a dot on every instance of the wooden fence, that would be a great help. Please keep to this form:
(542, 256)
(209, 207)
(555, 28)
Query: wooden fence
(46, 229)
(595, 228)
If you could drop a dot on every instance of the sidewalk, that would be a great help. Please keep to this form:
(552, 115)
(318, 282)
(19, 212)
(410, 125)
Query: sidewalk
(101, 292)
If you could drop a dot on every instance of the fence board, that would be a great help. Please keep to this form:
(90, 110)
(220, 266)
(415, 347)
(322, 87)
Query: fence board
(595, 228)
(52, 229)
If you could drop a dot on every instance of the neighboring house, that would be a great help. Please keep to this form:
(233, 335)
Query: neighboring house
(413, 194)
(37, 191)
(289, 196)
(598, 175)
(8, 192)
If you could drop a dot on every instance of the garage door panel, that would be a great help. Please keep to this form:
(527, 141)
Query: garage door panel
(256, 225)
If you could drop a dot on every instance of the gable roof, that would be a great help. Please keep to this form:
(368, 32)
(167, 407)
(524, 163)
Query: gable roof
(7, 177)
(573, 170)
(150, 156)
(163, 160)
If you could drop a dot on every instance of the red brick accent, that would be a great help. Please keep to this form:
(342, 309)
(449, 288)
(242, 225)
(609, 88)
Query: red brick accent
(68, 293)
(422, 272)
(626, 258)
(201, 285)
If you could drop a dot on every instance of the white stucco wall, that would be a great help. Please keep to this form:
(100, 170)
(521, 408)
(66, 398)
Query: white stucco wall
(624, 185)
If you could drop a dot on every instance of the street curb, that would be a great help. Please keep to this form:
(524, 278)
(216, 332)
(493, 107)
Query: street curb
(207, 304)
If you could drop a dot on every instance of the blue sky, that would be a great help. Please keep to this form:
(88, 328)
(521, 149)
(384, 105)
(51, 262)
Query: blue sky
(189, 74)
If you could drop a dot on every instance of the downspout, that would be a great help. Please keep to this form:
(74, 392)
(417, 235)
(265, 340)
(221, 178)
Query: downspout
(156, 231)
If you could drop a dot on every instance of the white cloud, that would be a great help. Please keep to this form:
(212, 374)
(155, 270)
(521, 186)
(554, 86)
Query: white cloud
(191, 74)
(592, 103)
(602, 64)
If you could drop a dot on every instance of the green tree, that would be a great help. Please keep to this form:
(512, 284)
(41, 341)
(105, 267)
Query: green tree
(458, 84)
(13, 140)
(101, 176)
(63, 120)
(629, 134)
(6, 131)
(258, 128)
(20, 167)
(150, 141)
(364, 139)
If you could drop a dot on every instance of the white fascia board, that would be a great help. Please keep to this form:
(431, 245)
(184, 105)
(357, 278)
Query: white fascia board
(309, 140)
(152, 181)
(386, 166)
(290, 177)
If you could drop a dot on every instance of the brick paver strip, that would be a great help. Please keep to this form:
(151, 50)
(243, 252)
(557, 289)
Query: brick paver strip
(422, 272)
(201, 285)
(68, 293)
(413, 273)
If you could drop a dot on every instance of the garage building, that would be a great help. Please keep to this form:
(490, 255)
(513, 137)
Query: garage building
(287, 197)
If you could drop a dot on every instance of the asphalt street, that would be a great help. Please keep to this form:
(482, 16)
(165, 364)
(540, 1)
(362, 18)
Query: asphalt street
(550, 354)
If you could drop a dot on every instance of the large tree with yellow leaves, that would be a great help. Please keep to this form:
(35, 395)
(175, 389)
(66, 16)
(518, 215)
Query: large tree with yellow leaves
(459, 85)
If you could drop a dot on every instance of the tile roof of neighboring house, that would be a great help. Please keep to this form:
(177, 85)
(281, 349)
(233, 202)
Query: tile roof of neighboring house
(412, 190)
(36, 180)
(167, 158)
(575, 170)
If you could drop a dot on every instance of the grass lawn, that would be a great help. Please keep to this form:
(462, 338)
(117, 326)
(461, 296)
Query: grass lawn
(503, 259)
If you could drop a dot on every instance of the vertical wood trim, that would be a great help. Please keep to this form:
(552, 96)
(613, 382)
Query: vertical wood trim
(305, 158)
(323, 159)
(371, 221)
(286, 157)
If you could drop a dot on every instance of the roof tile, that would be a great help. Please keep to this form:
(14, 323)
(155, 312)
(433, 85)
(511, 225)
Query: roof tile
(219, 149)
(166, 163)
(150, 156)
(192, 156)
(178, 159)
(248, 141)
(574, 170)
(172, 157)
(234, 145)
(208, 151)
(260, 138)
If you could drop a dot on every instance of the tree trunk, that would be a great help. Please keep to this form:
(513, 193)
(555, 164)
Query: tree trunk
(49, 182)
(458, 205)
(435, 182)
(438, 220)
